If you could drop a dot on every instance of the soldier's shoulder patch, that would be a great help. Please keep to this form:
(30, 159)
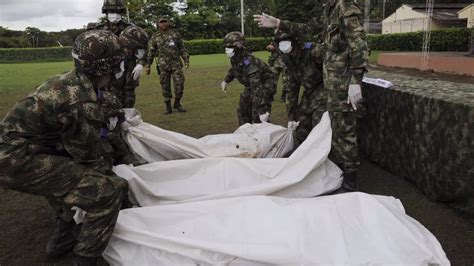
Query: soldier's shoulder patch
(308, 45)
(246, 61)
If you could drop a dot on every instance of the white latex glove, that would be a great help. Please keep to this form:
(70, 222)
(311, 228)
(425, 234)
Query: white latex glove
(355, 95)
(137, 72)
(224, 86)
(266, 21)
(264, 117)
(78, 215)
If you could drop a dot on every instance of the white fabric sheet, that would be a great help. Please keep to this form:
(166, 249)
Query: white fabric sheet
(345, 229)
(306, 173)
(153, 144)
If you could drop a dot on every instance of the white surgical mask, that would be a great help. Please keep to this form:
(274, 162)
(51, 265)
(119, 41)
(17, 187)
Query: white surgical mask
(285, 47)
(229, 52)
(140, 53)
(114, 17)
(122, 70)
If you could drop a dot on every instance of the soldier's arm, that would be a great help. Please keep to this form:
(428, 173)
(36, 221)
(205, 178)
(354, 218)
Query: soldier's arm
(151, 51)
(182, 50)
(82, 129)
(229, 77)
(256, 85)
(272, 58)
(313, 27)
(359, 52)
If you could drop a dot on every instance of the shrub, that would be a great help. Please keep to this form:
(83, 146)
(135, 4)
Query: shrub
(18, 55)
(194, 47)
(455, 39)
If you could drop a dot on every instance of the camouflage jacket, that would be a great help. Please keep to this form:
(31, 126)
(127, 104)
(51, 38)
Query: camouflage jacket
(115, 28)
(251, 72)
(303, 68)
(168, 48)
(63, 116)
(344, 37)
(275, 60)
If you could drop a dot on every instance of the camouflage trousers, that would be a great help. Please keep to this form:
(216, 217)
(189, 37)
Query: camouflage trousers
(292, 98)
(312, 106)
(128, 94)
(252, 103)
(65, 183)
(344, 148)
(178, 80)
(284, 79)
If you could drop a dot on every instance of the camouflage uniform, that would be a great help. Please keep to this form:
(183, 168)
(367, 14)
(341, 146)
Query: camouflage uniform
(169, 48)
(304, 69)
(257, 77)
(345, 62)
(132, 39)
(276, 62)
(49, 143)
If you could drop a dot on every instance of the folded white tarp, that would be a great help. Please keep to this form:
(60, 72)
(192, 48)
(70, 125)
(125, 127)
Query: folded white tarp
(346, 229)
(154, 144)
(306, 173)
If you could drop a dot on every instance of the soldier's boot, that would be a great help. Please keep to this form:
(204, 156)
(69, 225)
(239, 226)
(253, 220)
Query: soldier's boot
(62, 239)
(177, 105)
(168, 109)
(349, 184)
(78, 260)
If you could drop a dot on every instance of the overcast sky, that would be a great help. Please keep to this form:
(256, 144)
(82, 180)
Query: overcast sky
(49, 15)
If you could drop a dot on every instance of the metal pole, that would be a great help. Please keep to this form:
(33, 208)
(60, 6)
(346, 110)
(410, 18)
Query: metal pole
(367, 16)
(383, 10)
(242, 15)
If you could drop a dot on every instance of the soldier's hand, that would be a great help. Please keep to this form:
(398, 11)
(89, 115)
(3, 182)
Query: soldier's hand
(137, 71)
(266, 21)
(264, 117)
(147, 70)
(186, 65)
(224, 86)
(354, 95)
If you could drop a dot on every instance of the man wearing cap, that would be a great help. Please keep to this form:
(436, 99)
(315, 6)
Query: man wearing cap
(168, 48)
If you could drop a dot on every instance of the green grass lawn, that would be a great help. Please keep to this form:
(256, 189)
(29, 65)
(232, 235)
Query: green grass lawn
(210, 110)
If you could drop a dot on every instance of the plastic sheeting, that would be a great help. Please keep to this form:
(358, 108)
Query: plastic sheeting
(306, 173)
(352, 228)
(153, 144)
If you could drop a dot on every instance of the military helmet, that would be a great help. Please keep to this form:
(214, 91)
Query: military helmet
(134, 37)
(234, 39)
(113, 6)
(97, 52)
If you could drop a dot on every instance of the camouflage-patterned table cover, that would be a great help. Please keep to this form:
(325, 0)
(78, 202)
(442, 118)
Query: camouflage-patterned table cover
(423, 130)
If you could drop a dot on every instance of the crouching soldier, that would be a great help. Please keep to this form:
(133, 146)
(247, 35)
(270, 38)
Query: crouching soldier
(258, 78)
(304, 67)
(49, 146)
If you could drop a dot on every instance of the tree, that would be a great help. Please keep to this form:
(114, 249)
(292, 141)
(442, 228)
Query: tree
(32, 35)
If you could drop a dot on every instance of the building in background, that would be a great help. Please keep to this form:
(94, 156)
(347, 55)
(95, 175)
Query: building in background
(467, 13)
(410, 18)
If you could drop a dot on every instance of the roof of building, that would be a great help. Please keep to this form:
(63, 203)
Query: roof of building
(441, 12)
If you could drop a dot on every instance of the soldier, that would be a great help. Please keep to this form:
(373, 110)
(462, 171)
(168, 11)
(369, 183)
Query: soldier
(49, 147)
(345, 63)
(304, 68)
(114, 11)
(169, 49)
(258, 78)
(134, 40)
(278, 66)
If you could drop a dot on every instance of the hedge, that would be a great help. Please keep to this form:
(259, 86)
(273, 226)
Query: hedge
(455, 39)
(18, 55)
(441, 40)
(194, 47)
